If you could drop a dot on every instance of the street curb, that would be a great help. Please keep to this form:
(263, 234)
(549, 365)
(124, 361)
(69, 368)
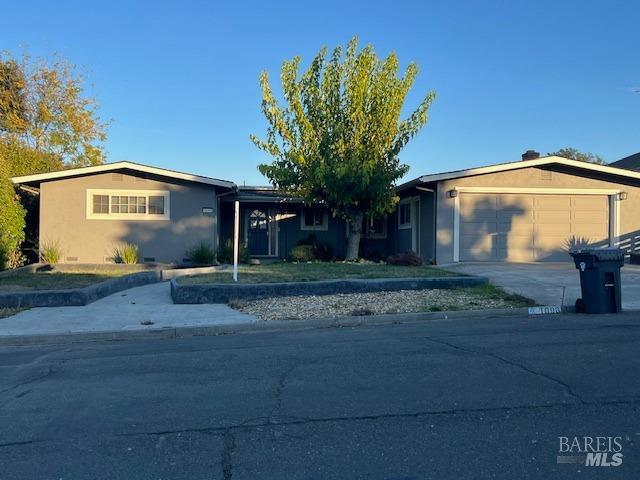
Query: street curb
(260, 326)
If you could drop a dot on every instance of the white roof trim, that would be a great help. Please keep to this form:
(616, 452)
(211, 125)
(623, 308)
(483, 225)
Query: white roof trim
(530, 163)
(118, 166)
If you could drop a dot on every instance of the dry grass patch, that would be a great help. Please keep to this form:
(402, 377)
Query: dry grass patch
(8, 312)
(308, 272)
(56, 280)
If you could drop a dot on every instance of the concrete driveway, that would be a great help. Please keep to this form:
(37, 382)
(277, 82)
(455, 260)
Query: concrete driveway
(548, 283)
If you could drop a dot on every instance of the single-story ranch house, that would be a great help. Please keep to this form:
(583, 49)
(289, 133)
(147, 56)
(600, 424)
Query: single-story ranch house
(529, 210)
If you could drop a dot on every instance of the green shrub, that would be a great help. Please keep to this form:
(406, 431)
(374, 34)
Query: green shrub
(128, 253)
(321, 251)
(225, 253)
(202, 254)
(11, 217)
(50, 251)
(302, 253)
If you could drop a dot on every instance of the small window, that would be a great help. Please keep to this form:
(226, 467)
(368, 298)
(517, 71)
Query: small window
(377, 228)
(314, 219)
(404, 215)
(156, 205)
(101, 204)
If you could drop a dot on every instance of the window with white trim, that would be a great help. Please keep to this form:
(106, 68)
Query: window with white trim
(127, 204)
(376, 228)
(314, 218)
(404, 215)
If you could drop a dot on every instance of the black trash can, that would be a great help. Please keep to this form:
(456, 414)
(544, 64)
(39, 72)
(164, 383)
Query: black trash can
(600, 279)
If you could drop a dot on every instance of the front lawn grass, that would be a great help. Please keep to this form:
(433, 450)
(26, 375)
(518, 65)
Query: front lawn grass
(54, 280)
(7, 312)
(308, 272)
(477, 298)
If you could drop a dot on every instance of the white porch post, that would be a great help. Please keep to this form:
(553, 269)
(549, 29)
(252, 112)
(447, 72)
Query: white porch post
(236, 239)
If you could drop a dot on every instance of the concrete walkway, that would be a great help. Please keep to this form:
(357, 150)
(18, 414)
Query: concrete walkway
(547, 283)
(122, 311)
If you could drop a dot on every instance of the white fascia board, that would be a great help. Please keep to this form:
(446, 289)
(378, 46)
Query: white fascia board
(118, 166)
(530, 163)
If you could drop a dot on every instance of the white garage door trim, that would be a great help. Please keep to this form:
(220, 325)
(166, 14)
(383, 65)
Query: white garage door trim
(614, 199)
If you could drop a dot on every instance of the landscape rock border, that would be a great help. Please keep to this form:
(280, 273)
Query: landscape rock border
(149, 273)
(224, 292)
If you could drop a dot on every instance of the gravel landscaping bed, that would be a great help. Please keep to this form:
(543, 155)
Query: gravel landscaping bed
(403, 301)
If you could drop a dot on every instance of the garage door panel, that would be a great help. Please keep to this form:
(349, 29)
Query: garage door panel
(552, 229)
(530, 227)
(514, 201)
(585, 202)
(478, 206)
(515, 241)
(552, 202)
(558, 216)
(515, 228)
(554, 242)
(478, 241)
(590, 216)
(478, 228)
(515, 216)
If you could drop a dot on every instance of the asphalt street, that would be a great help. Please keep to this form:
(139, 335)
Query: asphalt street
(452, 399)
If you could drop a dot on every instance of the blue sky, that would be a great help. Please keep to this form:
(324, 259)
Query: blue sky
(179, 80)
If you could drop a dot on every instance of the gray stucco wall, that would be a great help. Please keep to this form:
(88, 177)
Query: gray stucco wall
(63, 218)
(561, 177)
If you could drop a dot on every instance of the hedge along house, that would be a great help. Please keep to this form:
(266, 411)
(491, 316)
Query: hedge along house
(527, 211)
(530, 210)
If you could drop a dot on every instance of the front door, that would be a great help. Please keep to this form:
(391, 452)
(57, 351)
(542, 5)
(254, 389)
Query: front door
(258, 232)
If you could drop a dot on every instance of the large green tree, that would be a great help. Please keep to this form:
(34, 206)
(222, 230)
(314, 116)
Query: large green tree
(43, 107)
(336, 141)
(11, 221)
(575, 154)
(46, 123)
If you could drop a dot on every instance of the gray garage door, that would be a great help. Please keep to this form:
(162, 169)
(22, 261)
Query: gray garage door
(526, 228)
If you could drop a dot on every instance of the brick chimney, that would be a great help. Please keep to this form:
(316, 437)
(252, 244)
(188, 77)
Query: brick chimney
(530, 155)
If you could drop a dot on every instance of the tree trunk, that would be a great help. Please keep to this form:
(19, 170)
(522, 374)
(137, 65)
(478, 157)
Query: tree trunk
(355, 232)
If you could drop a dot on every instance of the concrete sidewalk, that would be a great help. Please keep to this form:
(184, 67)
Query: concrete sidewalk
(122, 311)
(548, 283)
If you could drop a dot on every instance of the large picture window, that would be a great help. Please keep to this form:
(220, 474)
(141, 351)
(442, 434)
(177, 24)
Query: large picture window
(129, 204)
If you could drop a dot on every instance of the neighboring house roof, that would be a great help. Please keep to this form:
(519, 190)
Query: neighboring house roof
(632, 162)
(537, 162)
(36, 179)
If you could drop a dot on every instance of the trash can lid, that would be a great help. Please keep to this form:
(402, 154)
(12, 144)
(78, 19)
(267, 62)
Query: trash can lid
(602, 254)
